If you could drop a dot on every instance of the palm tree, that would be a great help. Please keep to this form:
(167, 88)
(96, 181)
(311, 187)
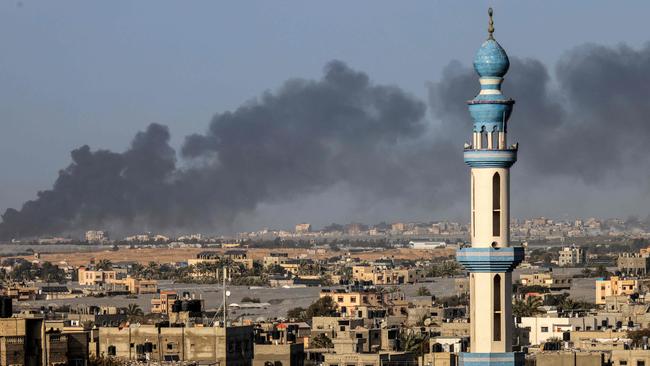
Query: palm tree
(151, 270)
(134, 312)
(528, 307)
(137, 269)
(568, 305)
(413, 342)
(104, 265)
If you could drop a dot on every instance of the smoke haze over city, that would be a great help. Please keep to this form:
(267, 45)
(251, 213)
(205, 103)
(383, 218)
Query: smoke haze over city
(346, 145)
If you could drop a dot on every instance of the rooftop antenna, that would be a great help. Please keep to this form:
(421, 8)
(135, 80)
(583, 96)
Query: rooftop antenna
(491, 24)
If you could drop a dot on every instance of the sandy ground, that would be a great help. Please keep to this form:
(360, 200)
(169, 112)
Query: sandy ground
(168, 255)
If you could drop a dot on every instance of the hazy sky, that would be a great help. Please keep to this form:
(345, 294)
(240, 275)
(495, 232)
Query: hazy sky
(91, 72)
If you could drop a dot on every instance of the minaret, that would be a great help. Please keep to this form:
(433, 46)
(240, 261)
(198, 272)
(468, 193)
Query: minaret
(490, 260)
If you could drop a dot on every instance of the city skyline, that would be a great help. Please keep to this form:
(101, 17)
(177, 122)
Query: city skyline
(408, 171)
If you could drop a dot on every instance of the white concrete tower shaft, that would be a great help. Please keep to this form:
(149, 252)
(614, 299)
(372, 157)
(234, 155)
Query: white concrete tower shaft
(490, 259)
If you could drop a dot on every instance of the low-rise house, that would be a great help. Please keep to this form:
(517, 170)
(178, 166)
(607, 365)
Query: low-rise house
(36, 341)
(231, 345)
(164, 302)
(137, 286)
(633, 264)
(274, 259)
(615, 286)
(631, 357)
(544, 328)
(546, 279)
(89, 277)
(570, 358)
(380, 275)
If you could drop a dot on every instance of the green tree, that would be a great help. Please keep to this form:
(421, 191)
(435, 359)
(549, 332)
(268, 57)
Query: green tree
(325, 306)
(528, 307)
(601, 271)
(321, 341)
(637, 336)
(413, 342)
(104, 265)
(297, 314)
(423, 291)
(106, 361)
(137, 270)
(49, 272)
(24, 271)
(133, 312)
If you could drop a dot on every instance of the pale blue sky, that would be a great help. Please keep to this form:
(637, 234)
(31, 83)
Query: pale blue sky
(95, 72)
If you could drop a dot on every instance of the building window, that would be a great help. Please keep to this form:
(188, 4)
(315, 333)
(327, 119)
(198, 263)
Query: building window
(640, 363)
(544, 329)
(112, 351)
(473, 208)
(496, 204)
(497, 308)
(623, 363)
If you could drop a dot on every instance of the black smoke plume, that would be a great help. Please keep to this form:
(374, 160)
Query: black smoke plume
(587, 124)
(300, 139)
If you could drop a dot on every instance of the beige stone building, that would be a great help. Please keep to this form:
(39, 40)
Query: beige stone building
(232, 346)
(614, 286)
(570, 358)
(636, 357)
(163, 303)
(547, 279)
(274, 259)
(356, 303)
(137, 286)
(380, 275)
(34, 341)
(88, 277)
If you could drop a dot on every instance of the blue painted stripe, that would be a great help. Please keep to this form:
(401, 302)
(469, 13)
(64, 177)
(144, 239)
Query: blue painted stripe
(490, 158)
(492, 359)
(490, 259)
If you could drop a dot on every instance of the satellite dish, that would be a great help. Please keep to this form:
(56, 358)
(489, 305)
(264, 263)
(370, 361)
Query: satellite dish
(227, 293)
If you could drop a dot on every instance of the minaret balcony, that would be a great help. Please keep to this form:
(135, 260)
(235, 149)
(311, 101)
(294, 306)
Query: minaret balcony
(490, 259)
(490, 158)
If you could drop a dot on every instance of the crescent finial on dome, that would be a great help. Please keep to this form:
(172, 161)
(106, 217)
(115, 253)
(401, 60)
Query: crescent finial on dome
(491, 24)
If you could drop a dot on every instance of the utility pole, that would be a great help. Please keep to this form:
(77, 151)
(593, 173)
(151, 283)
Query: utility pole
(225, 296)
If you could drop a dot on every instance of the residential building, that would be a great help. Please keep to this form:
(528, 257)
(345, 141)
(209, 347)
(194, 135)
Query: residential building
(614, 286)
(163, 304)
(89, 277)
(544, 328)
(572, 256)
(96, 236)
(379, 275)
(546, 279)
(303, 228)
(217, 345)
(633, 264)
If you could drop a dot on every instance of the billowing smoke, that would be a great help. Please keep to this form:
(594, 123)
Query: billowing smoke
(586, 125)
(300, 139)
